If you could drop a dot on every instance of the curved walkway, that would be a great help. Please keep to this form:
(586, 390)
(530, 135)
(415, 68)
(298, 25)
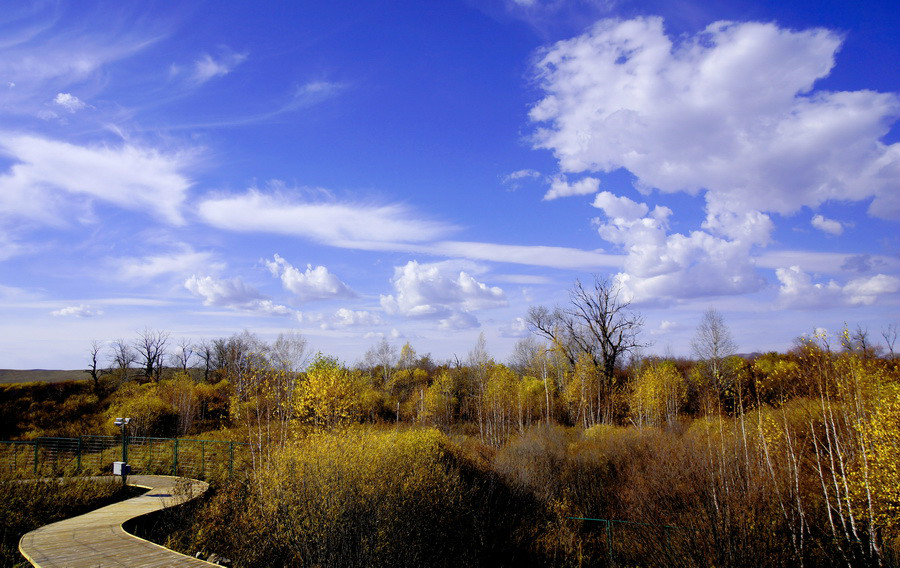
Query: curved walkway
(97, 539)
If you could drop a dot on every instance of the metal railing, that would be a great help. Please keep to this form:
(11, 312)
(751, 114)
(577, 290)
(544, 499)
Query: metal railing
(94, 455)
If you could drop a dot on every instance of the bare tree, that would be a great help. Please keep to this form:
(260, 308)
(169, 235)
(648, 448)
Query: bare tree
(205, 350)
(238, 356)
(597, 323)
(713, 343)
(289, 353)
(479, 362)
(382, 355)
(123, 356)
(151, 349)
(526, 352)
(890, 338)
(531, 357)
(95, 370)
(858, 342)
(184, 352)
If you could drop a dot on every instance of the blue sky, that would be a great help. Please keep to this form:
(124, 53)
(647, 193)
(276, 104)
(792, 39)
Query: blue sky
(426, 171)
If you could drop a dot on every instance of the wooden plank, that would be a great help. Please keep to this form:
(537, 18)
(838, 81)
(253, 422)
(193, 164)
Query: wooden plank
(97, 539)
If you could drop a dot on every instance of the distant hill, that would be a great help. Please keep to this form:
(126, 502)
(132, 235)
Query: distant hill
(40, 376)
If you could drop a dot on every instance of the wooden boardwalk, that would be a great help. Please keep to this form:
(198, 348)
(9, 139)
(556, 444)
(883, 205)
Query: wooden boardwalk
(97, 539)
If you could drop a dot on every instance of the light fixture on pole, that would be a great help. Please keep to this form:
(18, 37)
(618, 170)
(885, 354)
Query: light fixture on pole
(122, 468)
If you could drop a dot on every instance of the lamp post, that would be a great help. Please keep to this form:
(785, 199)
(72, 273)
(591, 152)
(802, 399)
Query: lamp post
(123, 465)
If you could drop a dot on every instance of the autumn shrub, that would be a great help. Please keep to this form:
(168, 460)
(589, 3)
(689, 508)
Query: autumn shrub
(32, 410)
(365, 497)
(150, 414)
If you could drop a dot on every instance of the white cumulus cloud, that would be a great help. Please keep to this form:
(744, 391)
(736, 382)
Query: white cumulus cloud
(69, 102)
(516, 328)
(827, 225)
(731, 111)
(458, 321)
(312, 284)
(617, 207)
(440, 292)
(560, 187)
(235, 294)
(661, 267)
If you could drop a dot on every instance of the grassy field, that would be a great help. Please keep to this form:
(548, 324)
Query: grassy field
(8, 376)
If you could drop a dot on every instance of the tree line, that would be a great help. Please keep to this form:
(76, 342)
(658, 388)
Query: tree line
(774, 459)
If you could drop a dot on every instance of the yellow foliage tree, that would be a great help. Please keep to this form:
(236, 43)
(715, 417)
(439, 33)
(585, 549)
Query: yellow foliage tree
(875, 476)
(582, 394)
(330, 395)
(657, 395)
(532, 394)
(500, 403)
(441, 399)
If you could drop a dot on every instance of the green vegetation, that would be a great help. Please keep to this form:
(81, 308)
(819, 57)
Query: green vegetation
(766, 460)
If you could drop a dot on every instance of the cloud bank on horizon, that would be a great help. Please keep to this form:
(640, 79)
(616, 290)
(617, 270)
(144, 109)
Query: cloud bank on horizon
(726, 163)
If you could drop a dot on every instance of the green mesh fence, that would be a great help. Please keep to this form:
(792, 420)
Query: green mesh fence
(94, 455)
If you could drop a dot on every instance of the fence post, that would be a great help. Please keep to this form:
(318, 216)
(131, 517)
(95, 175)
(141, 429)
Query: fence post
(35, 457)
(78, 458)
(231, 459)
(609, 543)
(202, 459)
(175, 458)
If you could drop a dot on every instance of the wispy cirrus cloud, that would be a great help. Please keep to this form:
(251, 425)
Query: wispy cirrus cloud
(207, 67)
(391, 227)
(53, 53)
(827, 262)
(341, 224)
(798, 290)
(531, 255)
(312, 93)
(346, 318)
(180, 262)
(48, 175)
(79, 311)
